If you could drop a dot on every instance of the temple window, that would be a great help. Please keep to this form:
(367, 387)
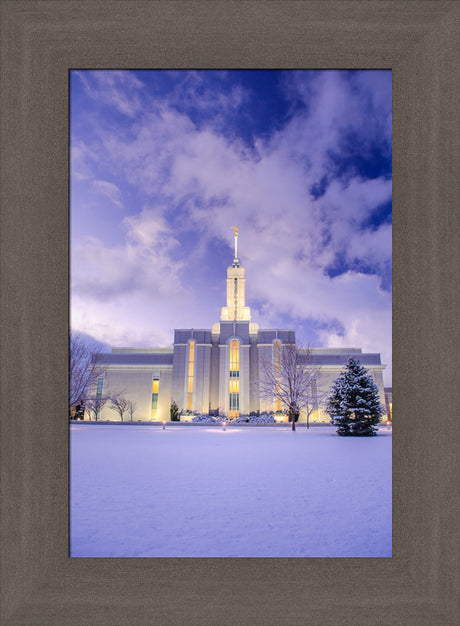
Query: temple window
(190, 374)
(276, 358)
(234, 382)
(155, 391)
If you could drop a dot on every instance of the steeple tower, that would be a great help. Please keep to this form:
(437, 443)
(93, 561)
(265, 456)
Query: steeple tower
(235, 309)
(236, 261)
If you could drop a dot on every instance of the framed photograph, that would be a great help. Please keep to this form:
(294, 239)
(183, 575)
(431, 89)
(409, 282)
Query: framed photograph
(199, 350)
(41, 42)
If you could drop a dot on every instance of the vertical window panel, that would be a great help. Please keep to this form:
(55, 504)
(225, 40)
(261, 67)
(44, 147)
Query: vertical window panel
(155, 392)
(276, 358)
(190, 374)
(234, 382)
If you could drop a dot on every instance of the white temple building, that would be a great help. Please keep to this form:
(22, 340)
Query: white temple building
(214, 371)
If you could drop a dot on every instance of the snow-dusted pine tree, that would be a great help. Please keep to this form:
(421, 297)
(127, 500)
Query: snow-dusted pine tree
(354, 403)
(174, 412)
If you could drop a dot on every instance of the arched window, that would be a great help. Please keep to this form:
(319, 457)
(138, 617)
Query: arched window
(190, 374)
(234, 381)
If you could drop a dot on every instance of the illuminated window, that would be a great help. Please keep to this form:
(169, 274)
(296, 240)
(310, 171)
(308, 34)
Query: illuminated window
(234, 382)
(155, 390)
(234, 386)
(191, 369)
(235, 357)
(276, 356)
(100, 384)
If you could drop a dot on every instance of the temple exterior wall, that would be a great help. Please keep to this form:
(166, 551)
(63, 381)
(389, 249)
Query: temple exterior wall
(214, 380)
(202, 379)
(178, 389)
(135, 383)
(224, 357)
(211, 374)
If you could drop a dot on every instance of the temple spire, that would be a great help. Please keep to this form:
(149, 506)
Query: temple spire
(235, 309)
(236, 261)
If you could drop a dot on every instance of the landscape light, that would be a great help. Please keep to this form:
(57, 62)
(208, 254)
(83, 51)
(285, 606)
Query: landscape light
(164, 424)
(223, 424)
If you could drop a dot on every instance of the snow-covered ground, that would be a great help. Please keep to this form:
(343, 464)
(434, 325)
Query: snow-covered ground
(141, 491)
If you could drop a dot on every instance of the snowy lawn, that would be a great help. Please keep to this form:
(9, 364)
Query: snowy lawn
(141, 491)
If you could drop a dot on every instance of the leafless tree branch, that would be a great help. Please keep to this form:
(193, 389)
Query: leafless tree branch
(131, 408)
(94, 406)
(85, 368)
(120, 404)
(291, 381)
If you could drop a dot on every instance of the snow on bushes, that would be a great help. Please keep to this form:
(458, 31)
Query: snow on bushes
(262, 419)
(242, 419)
(255, 419)
(206, 419)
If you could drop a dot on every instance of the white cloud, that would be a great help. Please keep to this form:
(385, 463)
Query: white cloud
(81, 160)
(145, 261)
(109, 190)
(119, 89)
(288, 238)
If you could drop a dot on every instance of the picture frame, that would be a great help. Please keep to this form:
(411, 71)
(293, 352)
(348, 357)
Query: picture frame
(41, 41)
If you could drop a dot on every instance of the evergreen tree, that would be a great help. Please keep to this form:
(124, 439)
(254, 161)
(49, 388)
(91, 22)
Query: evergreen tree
(354, 403)
(174, 412)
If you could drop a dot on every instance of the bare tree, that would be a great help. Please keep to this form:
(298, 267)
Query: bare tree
(120, 404)
(131, 408)
(316, 396)
(85, 369)
(94, 406)
(290, 381)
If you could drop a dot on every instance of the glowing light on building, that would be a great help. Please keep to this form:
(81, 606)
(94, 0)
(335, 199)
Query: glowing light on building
(191, 371)
(234, 382)
(276, 349)
(155, 391)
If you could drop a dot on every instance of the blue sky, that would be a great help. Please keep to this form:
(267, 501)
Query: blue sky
(165, 163)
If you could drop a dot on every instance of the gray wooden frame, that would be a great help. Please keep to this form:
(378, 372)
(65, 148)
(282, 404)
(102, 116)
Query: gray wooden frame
(40, 41)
